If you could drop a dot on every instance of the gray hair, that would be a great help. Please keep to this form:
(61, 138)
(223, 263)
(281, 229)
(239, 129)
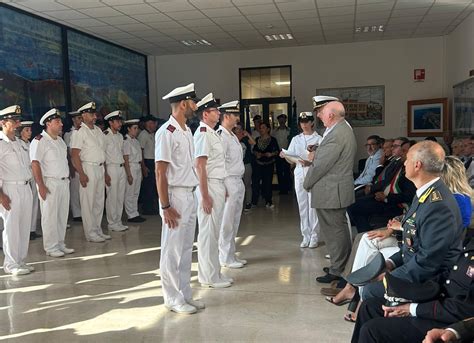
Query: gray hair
(431, 155)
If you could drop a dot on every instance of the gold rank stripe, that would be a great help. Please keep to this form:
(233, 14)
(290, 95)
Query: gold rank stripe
(425, 195)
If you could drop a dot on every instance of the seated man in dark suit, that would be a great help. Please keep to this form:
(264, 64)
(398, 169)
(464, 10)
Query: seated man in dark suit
(391, 193)
(411, 321)
(432, 227)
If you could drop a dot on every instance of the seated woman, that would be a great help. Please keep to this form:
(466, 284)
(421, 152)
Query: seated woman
(454, 176)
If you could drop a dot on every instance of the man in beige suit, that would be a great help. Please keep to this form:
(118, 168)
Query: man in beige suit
(330, 181)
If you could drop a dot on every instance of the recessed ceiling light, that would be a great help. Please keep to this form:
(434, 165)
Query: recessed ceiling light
(369, 29)
(283, 83)
(196, 42)
(279, 36)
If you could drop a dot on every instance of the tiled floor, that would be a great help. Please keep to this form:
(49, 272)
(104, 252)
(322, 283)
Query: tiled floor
(111, 292)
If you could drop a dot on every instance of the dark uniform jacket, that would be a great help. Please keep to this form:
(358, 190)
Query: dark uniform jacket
(465, 329)
(457, 301)
(432, 230)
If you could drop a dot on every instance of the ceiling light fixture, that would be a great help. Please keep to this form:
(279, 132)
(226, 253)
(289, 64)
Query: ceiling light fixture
(283, 83)
(279, 36)
(196, 42)
(369, 29)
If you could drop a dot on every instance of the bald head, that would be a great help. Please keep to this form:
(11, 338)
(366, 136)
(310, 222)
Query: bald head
(430, 154)
(331, 113)
(337, 108)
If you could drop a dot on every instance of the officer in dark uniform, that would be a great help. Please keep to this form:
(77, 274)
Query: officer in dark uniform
(432, 227)
(409, 322)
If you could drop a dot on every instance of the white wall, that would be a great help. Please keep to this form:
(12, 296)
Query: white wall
(388, 63)
(459, 53)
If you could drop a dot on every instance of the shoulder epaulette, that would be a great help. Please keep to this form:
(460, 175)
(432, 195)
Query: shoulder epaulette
(125, 138)
(203, 129)
(106, 132)
(219, 131)
(170, 128)
(38, 137)
(436, 196)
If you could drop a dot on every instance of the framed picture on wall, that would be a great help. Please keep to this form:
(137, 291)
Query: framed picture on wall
(463, 108)
(427, 117)
(365, 105)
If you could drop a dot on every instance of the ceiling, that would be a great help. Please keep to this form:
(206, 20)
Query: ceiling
(157, 27)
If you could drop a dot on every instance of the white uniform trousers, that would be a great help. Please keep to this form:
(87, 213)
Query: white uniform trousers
(75, 202)
(54, 213)
(115, 194)
(235, 189)
(309, 223)
(92, 200)
(35, 207)
(16, 221)
(209, 268)
(368, 248)
(133, 191)
(177, 247)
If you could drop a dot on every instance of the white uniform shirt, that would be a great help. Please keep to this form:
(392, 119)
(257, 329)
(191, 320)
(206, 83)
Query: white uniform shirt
(299, 146)
(147, 142)
(13, 160)
(281, 135)
(132, 148)
(113, 147)
(67, 136)
(26, 147)
(207, 142)
(234, 155)
(51, 154)
(90, 142)
(175, 146)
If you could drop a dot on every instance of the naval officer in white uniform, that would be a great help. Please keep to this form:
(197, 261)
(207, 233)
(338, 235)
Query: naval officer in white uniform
(234, 185)
(114, 171)
(88, 158)
(176, 182)
(15, 194)
(210, 167)
(48, 154)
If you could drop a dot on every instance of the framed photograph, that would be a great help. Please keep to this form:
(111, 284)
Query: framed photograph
(365, 106)
(427, 117)
(463, 108)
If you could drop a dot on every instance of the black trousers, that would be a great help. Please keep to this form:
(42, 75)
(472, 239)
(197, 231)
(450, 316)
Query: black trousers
(283, 174)
(262, 176)
(149, 193)
(371, 326)
(367, 206)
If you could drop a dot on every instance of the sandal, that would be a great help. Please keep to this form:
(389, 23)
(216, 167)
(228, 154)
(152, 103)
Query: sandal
(348, 318)
(344, 302)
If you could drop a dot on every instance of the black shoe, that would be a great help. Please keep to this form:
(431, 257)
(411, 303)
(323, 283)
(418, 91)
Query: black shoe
(34, 235)
(136, 219)
(328, 278)
(248, 207)
(77, 219)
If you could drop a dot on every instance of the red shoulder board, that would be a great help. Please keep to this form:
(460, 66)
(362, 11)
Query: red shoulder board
(106, 132)
(171, 128)
(203, 129)
(38, 137)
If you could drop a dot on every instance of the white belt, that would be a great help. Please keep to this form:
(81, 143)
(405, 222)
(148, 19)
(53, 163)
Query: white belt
(120, 165)
(93, 163)
(16, 182)
(182, 188)
(215, 180)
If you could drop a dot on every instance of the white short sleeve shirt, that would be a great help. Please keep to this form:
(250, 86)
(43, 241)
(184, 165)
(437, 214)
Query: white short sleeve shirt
(208, 142)
(51, 155)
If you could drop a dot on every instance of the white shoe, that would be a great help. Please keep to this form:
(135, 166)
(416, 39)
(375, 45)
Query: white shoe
(304, 243)
(227, 279)
(124, 226)
(244, 262)
(233, 265)
(116, 228)
(313, 244)
(104, 236)
(182, 309)
(223, 284)
(55, 253)
(196, 303)
(30, 268)
(327, 257)
(270, 206)
(18, 271)
(96, 239)
(67, 251)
